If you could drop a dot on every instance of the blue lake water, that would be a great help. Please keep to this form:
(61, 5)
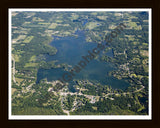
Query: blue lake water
(70, 51)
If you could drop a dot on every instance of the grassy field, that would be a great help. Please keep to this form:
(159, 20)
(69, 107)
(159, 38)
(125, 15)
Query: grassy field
(74, 16)
(33, 58)
(20, 37)
(102, 17)
(94, 13)
(59, 21)
(144, 53)
(16, 57)
(53, 26)
(13, 90)
(37, 19)
(134, 25)
(28, 39)
(43, 23)
(19, 80)
(66, 33)
(30, 65)
(91, 25)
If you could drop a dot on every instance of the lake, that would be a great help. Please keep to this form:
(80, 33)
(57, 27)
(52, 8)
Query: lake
(70, 51)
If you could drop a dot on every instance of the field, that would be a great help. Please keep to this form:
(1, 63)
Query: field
(30, 65)
(53, 26)
(91, 25)
(19, 80)
(13, 90)
(28, 39)
(33, 58)
(102, 17)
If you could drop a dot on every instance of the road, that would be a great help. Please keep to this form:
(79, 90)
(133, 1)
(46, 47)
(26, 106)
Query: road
(13, 70)
(91, 97)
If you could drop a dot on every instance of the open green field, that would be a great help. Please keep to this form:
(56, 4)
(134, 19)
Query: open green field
(33, 58)
(28, 39)
(19, 80)
(102, 17)
(53, 26)
(31, 65)
(91, 25)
